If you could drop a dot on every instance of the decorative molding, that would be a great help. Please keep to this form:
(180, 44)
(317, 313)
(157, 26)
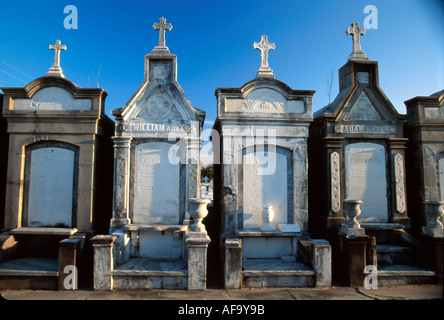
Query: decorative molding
(335, 182)
(399, 182)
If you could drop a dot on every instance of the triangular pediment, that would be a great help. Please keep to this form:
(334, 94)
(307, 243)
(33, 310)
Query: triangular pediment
(365, 105)
(156, 104)
(363, 109)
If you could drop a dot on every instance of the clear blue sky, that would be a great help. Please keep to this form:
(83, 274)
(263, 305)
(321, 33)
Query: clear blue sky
(213, 42)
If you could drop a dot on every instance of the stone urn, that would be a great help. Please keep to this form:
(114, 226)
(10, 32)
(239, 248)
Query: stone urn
(352, 209)
(267, 217)
(434, 210)
(197, 208)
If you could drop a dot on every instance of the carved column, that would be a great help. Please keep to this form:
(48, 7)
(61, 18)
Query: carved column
(122, 147)
(398, 181)
(333, 154)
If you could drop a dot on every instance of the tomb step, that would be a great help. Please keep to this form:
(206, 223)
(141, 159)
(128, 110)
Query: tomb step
(143, 273)
(259, 273)
(390, 275)
(29, 273)
(389, 254)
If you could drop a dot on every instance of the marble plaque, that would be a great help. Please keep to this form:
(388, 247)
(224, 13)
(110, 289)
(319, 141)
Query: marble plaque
(156, 185)
(441, 177)
(51, 184)
(160, 245)
(366, 180)
(363, 77)
(52, 98)
(264, 184)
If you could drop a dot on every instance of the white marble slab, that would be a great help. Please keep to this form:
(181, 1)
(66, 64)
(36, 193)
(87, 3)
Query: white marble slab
(264, 184)
(50, 201)
(366, 180)
(156, 185)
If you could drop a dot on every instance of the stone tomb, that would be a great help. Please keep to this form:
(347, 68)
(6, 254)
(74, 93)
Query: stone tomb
(357, 150)
(157, 144)
(3, 163)
(424, 128)
(58, 172)
(357, 157)
(260, 183)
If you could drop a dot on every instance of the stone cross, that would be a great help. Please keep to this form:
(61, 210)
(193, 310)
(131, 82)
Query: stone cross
(57, 48)
(162, 26)
(356, 32)
(264, 46)
(56, 70)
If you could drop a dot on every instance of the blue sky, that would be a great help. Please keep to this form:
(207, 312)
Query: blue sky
(213, 40)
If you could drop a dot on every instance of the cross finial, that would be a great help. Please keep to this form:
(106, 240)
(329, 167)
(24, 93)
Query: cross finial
(162, 26)
(356, 32)
(56, 70)
(264, 46)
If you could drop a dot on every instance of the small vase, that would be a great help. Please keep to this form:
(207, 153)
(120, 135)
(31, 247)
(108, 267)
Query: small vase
(198, 211)
(267, 217)
(434, 210)
(352, 210)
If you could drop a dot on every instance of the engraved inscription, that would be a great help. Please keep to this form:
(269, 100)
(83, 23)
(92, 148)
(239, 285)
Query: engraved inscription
(399, 180)
(335, 182)
(264, 100)
(156, 195)
(364, 128)
(365, 175)
(260, 189)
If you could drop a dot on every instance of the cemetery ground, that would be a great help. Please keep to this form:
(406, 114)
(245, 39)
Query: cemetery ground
(402, 292)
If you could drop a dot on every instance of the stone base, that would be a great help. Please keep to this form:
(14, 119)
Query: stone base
(265, 73)
(433, 232)
(29, 273)
(55, 72)
(404, 275)
(262, 273)
(138, 273)
(352, 231)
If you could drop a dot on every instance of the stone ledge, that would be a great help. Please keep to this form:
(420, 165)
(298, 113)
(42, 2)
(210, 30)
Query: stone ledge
(28, 273)
(381, 226)
(157, 227)
(144, 273)
(258, 233)
(277, 273)
(44, 231)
